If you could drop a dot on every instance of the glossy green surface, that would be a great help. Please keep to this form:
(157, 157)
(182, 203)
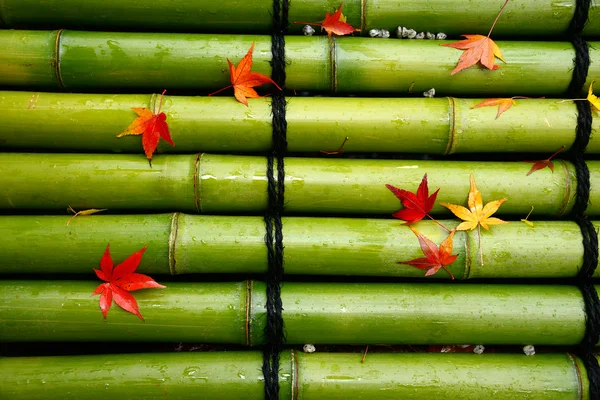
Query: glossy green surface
(520, 18)
(91, 122)
(432, 313)
(237, 184)
(125, 60)
(394, 65)
(330, 376)
(27, 59)
(231, 375)
(320, 313)
(77, 248)
(66, 311)
(357, 186)
(83, 181)
(313, 246)
(414, 376)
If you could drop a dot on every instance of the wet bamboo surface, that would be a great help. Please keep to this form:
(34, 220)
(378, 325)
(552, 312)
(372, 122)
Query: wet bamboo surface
(194, 244)
(98, 61)
(322, 376)
(520, 18)
(91, 122)
(226, 184)
(315, 312)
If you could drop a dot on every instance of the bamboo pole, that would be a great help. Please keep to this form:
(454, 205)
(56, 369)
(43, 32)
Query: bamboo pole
(91, 122)
(120, 61)
(320, 313)
(237, 184)
(520, 18)
(191, 244)
(322, 376)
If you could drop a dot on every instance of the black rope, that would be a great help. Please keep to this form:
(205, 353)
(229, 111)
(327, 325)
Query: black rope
(589, 234)
(274, 329)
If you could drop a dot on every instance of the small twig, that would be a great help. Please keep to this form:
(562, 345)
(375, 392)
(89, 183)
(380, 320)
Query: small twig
(83, 212)
(364, 355)
(340, 150)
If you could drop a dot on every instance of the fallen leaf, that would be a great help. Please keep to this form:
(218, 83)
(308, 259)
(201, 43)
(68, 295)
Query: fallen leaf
(592, 98)
(478, 49)
(541, 164)
(416, 205)
(243, 80)
(435, 257)
(476, 215)
(527, 221)
(151, 125)
(120, 280)
(83, 212)
(503, 104)
(334, 24)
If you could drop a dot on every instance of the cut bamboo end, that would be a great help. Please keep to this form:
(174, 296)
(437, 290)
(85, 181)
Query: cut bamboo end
(90, 122)
(195, 244)
(319, 313)
(112, 60)
(322, 376)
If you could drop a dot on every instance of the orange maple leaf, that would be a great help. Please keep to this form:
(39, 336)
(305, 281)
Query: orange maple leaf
(243, 79)
(541, 164)
(503, 104)
(151, 126)
(478, 48)
(334, 24)
(435, 257)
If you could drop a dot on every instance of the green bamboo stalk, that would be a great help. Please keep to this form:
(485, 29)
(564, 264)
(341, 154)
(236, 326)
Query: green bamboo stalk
(322, 376)
(91, 122)
(326, 313)
(520, 18)
(191, 244)
(233, 184)
(110, 60)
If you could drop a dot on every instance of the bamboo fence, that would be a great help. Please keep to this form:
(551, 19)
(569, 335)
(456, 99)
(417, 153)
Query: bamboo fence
(315, 312)
(237, 184)
(81, 60)
(191, 244)
(322, 376)
(91, 122)
(520, 18)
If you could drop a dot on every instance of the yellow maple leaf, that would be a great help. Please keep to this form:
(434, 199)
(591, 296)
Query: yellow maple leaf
(477, 214)
(592, 98)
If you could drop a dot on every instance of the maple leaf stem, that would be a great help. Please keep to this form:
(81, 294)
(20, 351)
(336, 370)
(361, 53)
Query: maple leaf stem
(449, 273)
(480, 247)
(437, 222)
(162, 96)
(220, 90)
(365, 355)
(558, 151)
(338, 151)
(497, 17)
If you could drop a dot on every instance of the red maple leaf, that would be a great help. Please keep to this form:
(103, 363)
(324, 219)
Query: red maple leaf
(435, 257)
(541, 164)
(334, 24)
(243, 79)
(151, 126)
(120, 280)
(416, 206)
